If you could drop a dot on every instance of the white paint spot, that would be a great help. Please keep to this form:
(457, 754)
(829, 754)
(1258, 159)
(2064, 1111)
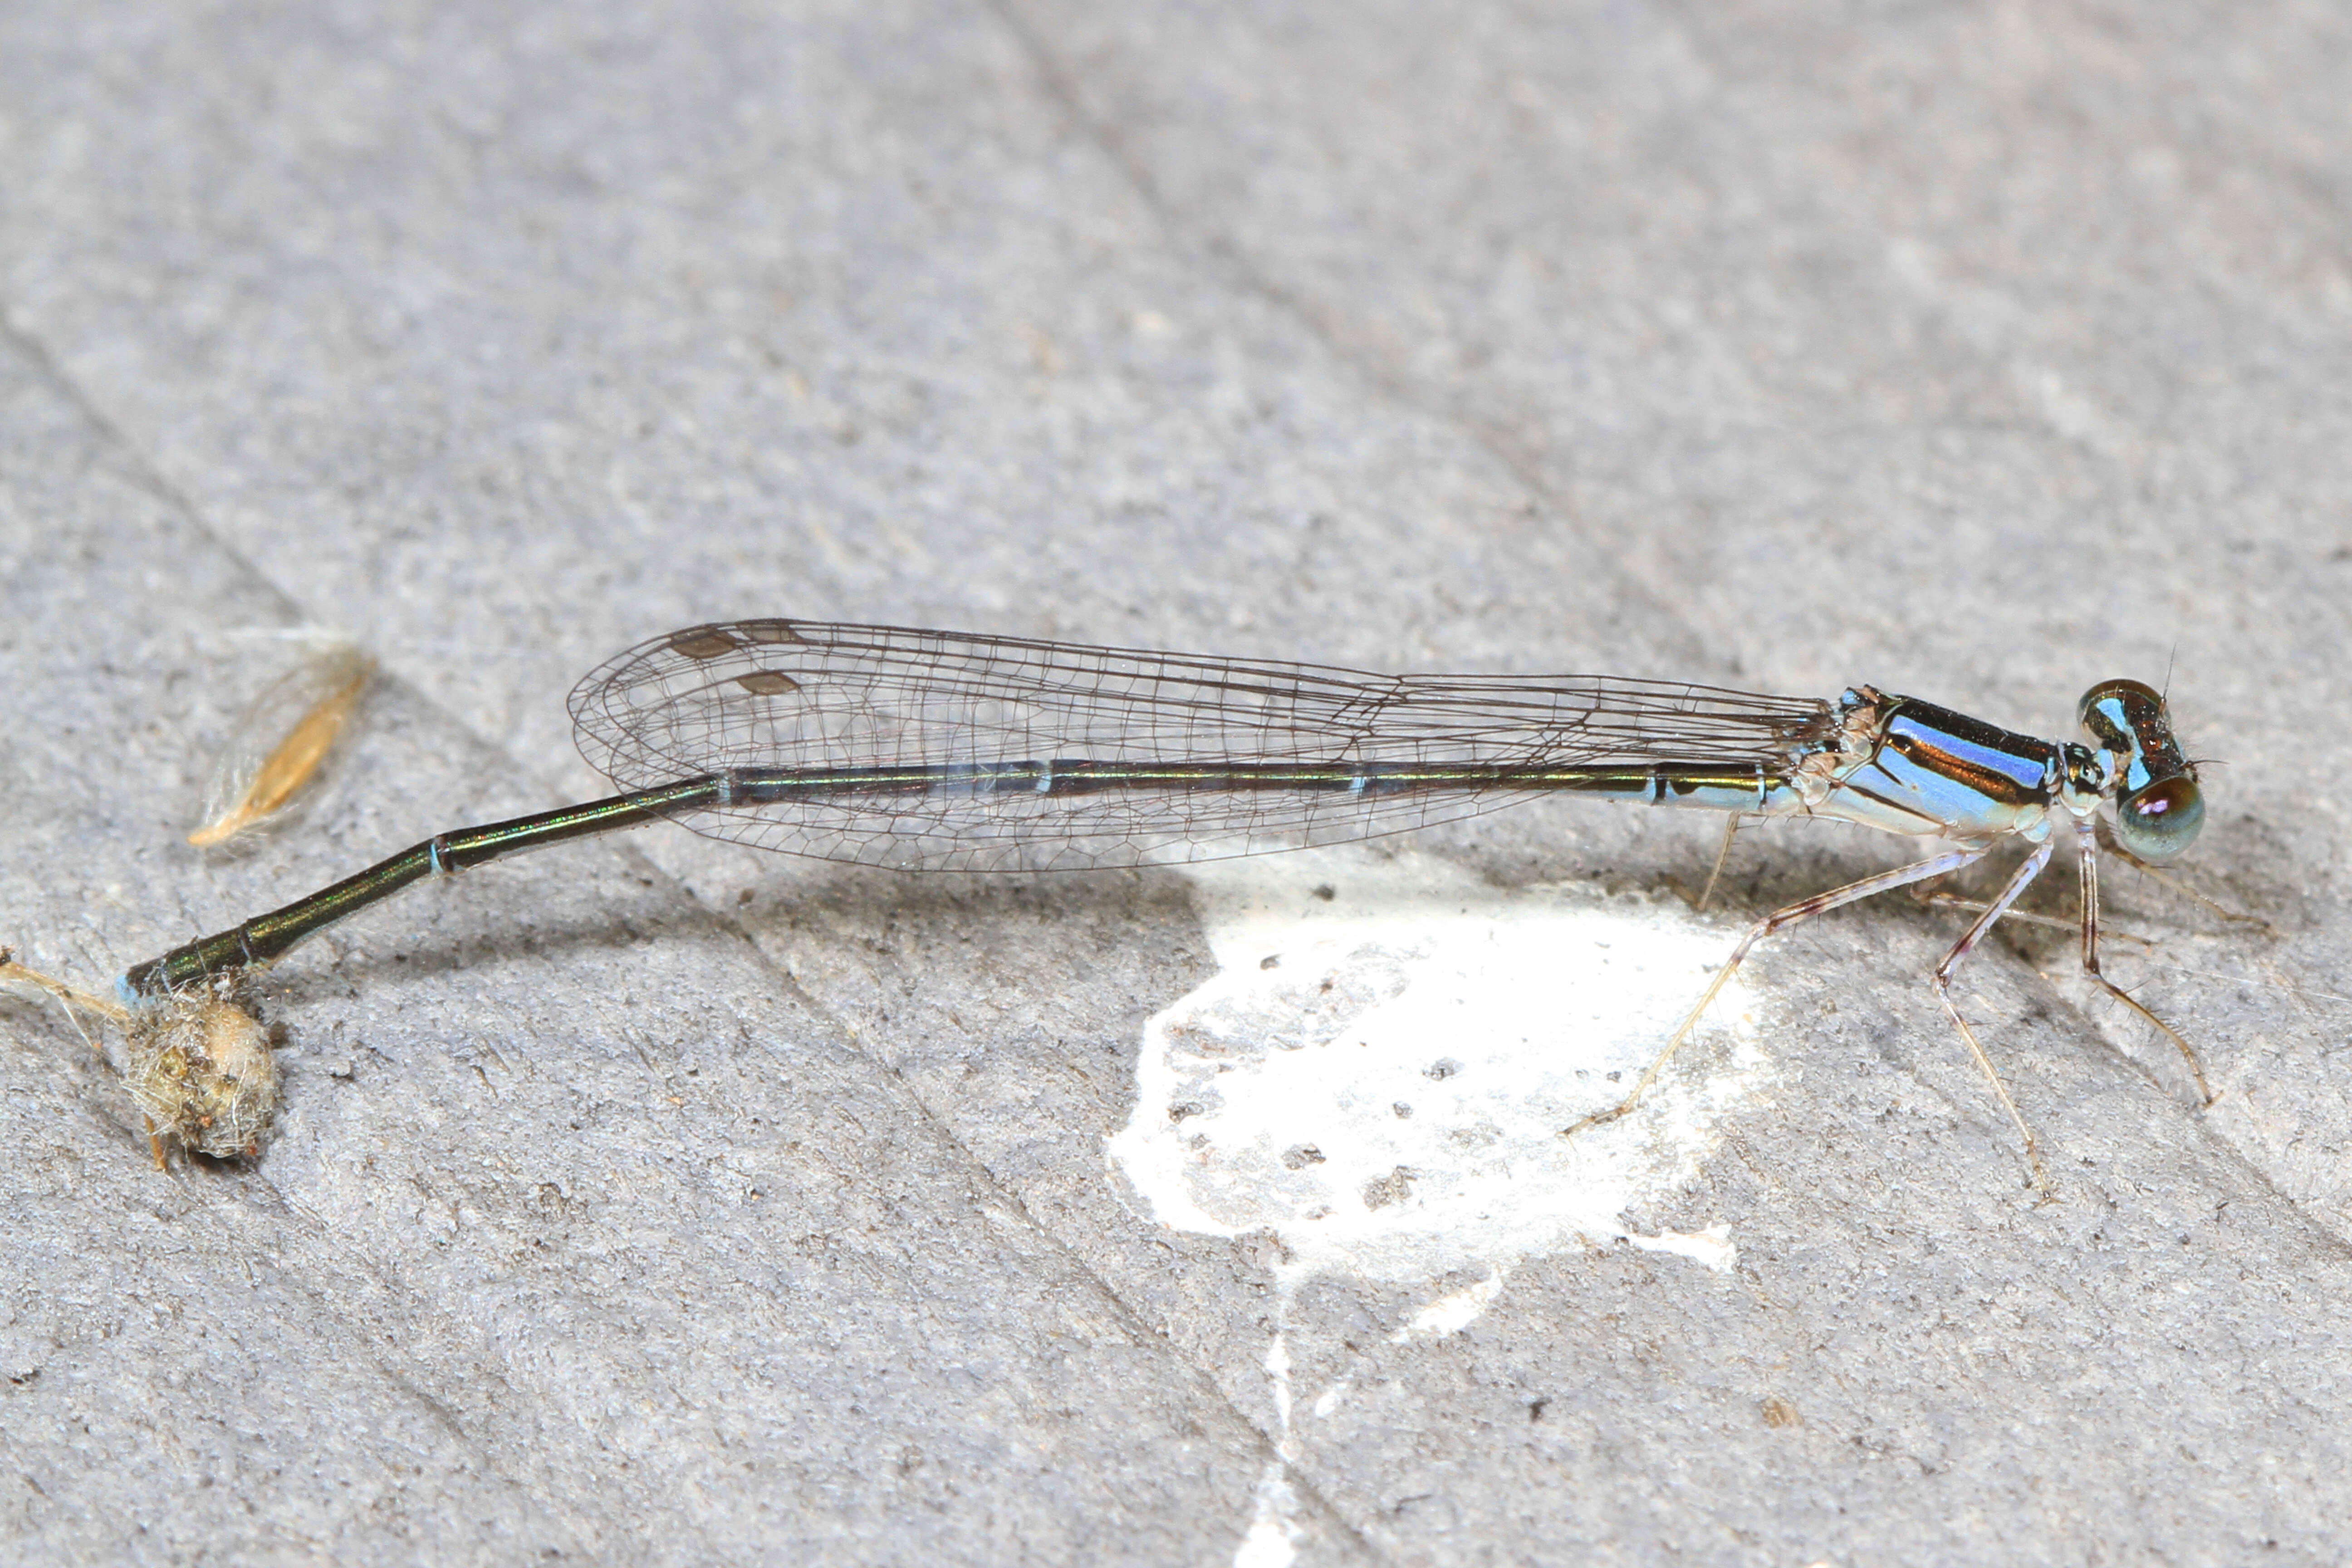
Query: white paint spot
(1272, 1541)
(1276, 1529)
(1451, 1314)
(1379, 1073)
(1711, 1246)
(1277, 1370)
(1380, 1077)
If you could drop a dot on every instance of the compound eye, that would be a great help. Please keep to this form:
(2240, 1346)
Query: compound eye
(2160, 821)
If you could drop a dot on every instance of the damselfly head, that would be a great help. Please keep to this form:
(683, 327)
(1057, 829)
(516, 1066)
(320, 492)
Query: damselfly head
(2158, 805)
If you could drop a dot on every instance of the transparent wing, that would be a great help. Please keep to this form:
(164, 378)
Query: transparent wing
(808, 695)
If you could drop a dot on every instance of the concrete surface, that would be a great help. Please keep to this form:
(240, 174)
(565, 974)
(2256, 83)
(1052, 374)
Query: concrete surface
(654, 1201)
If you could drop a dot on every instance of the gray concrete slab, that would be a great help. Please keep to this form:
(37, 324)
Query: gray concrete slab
(657, 1200)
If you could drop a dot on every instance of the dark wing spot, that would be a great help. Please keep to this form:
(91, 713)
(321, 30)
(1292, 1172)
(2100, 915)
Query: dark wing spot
(702, 642)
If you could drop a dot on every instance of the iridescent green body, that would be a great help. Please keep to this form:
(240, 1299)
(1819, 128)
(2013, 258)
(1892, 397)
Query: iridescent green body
(268, 937)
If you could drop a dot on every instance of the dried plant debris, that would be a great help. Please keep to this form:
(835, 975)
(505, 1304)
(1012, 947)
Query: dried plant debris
(197, 1062)
(201, 1069)
(282, 740)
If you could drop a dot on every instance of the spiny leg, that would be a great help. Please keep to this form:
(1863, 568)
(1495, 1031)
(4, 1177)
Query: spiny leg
(1803, 909)
(1954, 902)
(2018, 883)
(1722, 855)
(2086, 844)
(1942, 901)
(2167, 879)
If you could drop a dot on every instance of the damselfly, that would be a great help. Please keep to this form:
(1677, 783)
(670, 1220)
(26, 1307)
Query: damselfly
(948, 750)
